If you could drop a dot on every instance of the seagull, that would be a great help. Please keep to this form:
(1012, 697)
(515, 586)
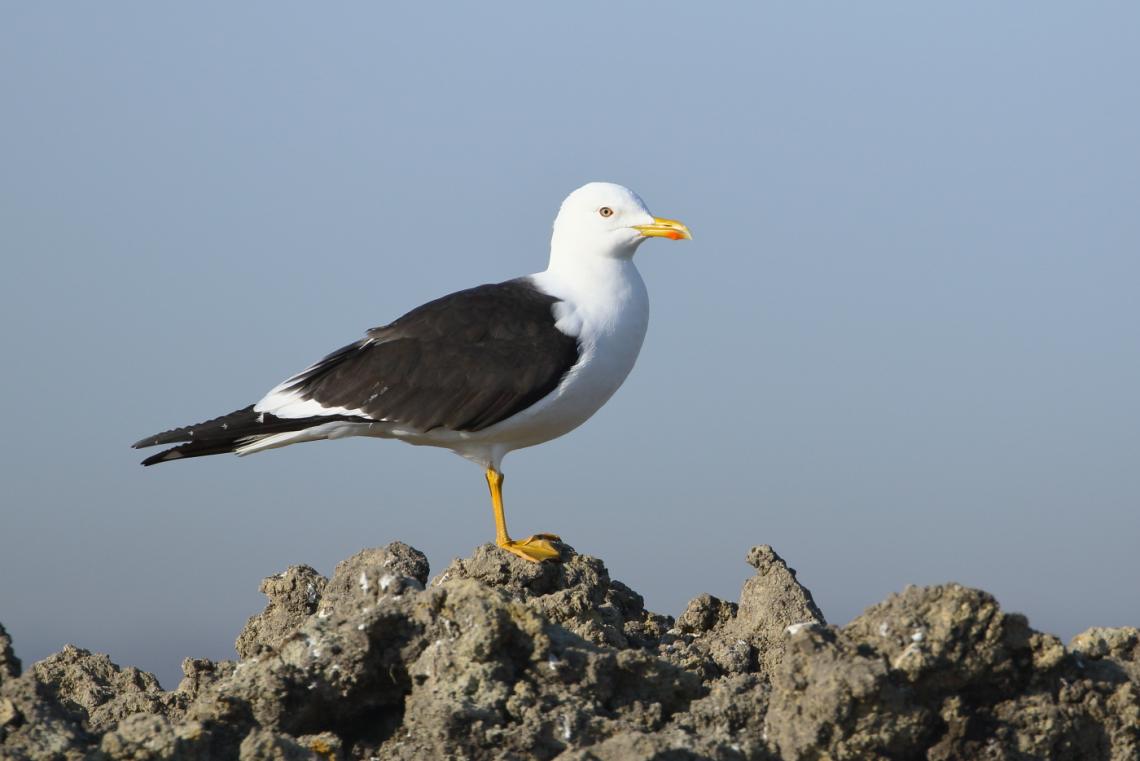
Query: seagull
(483, 371)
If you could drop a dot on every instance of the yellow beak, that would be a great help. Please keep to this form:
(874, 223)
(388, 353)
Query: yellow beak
(665, 228)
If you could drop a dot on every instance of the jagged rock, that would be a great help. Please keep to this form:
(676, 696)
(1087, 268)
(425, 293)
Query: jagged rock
(716, 638)
(576, 593)
(498, 677)
(261, 745)
(149, 737)
(198, 674)
(706, 613)
(376, 572)
(101, 693)
(293, 597)
(1105, 650)
(940, 672)
(733, 711)
(326, 746)
(770, 603)
(35, 725)
(831, 698)
(9, 663)
(502, 659)
(669, 745)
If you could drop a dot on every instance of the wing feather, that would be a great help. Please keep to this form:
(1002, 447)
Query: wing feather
(463, 362)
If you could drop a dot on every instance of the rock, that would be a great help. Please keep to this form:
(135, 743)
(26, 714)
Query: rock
(706, 613)
(830, 697)
(148, 737)
(198, 674)
(940, 672)
(261, 745)
(9, 663)
(1105, 650)
(733, 711)
(498, 658)
(293, 597)
(670, 745)
(90, 686)
(576, 593)
(722, 638)
(498, 677)
(372, 573)
(35, 725)
(770, 603)
(325, 745)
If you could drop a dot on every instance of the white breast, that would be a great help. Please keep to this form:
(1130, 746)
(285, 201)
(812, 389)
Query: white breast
(608, 314)
(610, 323)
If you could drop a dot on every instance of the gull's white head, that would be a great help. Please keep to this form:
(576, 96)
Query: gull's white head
(601, 219)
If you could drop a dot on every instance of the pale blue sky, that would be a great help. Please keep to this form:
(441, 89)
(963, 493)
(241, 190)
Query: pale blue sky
(903, 348)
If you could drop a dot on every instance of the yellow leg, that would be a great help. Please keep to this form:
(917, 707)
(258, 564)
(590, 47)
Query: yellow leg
(534, 548)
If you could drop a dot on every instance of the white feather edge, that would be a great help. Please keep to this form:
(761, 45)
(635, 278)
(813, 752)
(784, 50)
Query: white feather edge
(333, 430)
(284, 402)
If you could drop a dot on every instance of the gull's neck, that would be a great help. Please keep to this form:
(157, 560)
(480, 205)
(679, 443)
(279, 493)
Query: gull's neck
(572, 274)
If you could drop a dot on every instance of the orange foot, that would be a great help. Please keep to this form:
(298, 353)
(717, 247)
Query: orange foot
(535, 548)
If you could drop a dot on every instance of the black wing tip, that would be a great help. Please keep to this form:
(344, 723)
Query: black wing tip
(219, 427)
(226, 434)
(167, 437)
(173, 436)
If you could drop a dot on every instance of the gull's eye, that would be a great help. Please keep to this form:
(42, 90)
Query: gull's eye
(606, 211)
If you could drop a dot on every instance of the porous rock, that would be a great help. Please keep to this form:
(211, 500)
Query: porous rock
(9, 663)
(577, 594)
(720, 638)
(942, 673)
(35, 725)
(378, 571)
(293, 597)
(90, 685)
(498, 658)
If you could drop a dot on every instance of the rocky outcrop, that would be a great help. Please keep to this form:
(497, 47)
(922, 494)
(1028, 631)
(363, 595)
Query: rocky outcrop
(9, 663)
(496, 658)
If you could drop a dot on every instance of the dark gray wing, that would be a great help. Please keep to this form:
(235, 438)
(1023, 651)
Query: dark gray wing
(464, 362)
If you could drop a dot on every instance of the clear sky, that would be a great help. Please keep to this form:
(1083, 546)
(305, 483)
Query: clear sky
(904, 346)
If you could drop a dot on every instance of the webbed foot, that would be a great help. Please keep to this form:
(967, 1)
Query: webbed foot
(536, 549)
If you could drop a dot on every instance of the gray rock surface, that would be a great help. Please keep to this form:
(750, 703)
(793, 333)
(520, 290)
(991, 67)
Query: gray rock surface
(9, 663)
(293, 597)
(497, 658)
